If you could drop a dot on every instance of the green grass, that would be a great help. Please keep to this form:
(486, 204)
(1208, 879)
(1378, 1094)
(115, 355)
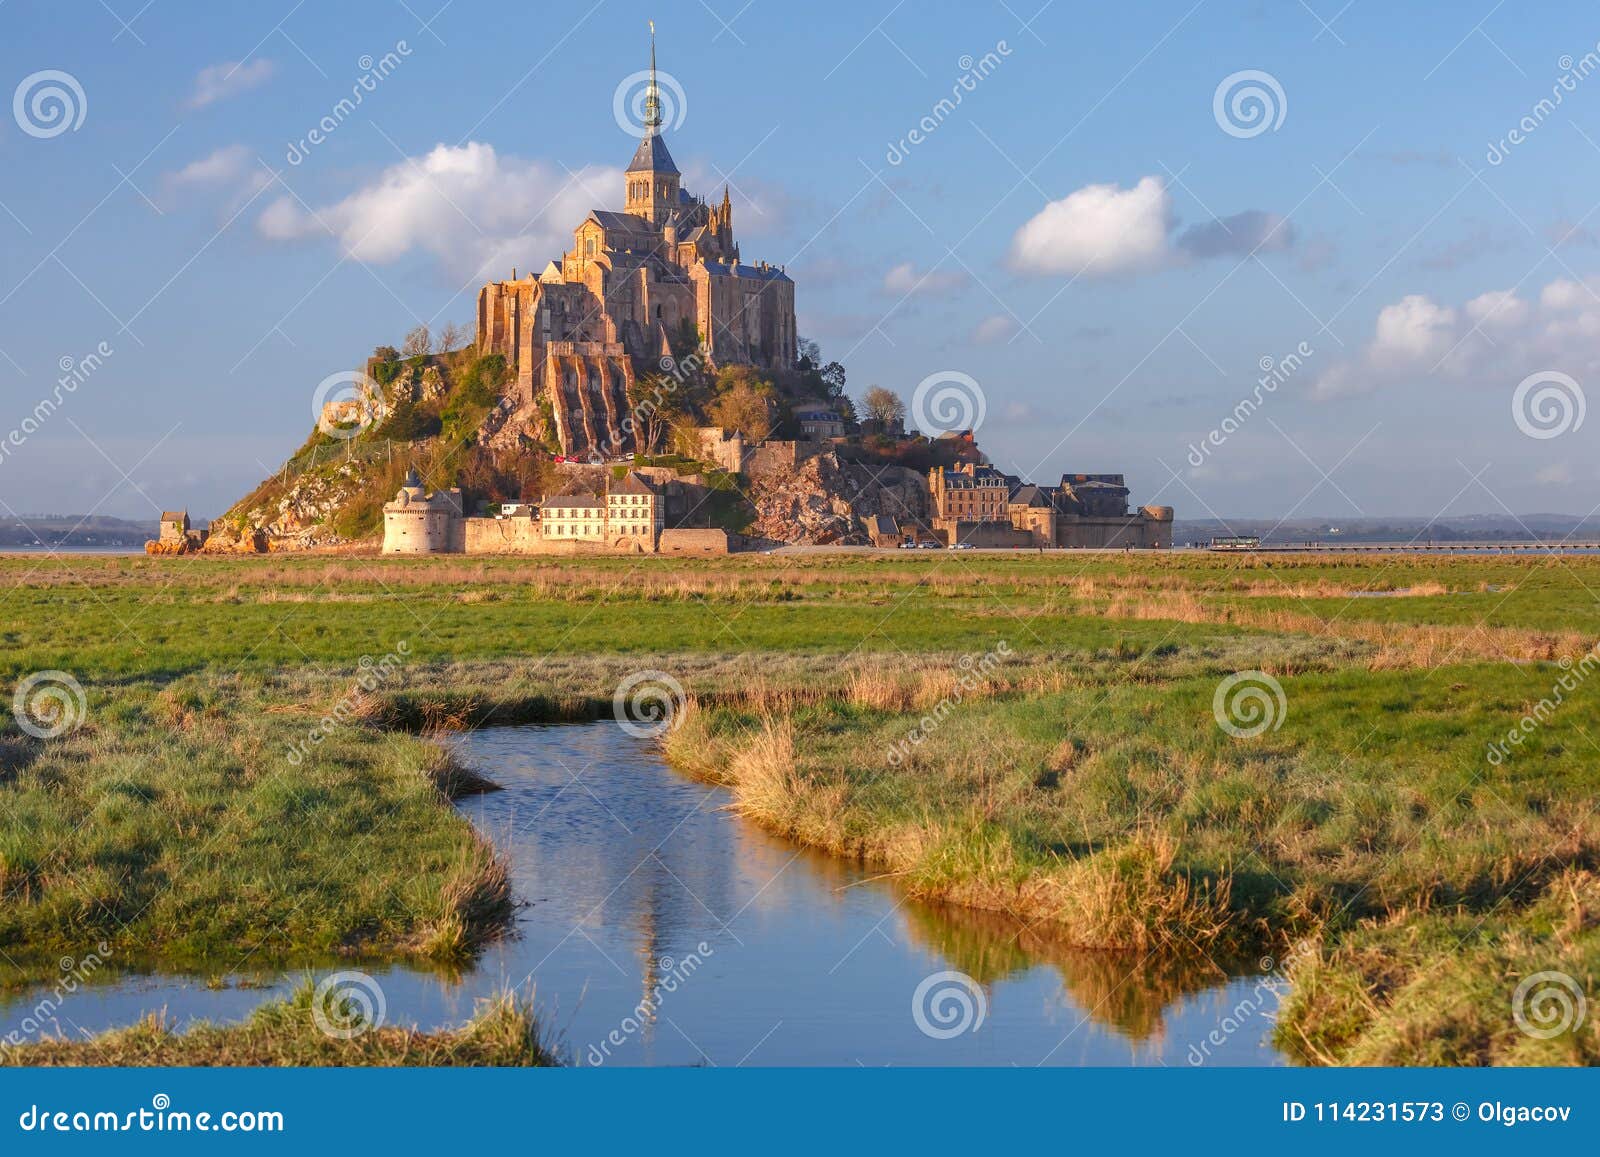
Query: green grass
(502, 1033)
(1085, 785)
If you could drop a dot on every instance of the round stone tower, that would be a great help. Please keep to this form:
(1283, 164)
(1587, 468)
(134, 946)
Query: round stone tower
(420, 523)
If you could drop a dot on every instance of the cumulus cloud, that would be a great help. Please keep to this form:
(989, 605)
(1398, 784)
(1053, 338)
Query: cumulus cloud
(993, 329)
(469, 207)
(904, 281)
(1099, 229)
(1104, 230)
(231, 77)
(1496, 337)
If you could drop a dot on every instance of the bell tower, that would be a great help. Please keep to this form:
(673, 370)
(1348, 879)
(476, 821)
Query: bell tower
(652, 177)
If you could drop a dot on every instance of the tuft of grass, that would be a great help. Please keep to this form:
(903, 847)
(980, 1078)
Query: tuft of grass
(503, 1032)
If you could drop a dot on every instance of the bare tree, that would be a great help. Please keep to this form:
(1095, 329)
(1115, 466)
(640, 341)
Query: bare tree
(418, 342)
(883, 405)
(451, 336)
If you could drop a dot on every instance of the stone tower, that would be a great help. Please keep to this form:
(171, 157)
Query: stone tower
(652, 177)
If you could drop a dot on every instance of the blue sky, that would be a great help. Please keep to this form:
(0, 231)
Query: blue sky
(1083, 236)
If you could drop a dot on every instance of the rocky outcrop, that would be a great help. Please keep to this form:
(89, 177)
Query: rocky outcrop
(826, 501)
(296, 521)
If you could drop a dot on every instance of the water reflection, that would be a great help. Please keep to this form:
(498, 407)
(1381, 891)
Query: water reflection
(660, 929)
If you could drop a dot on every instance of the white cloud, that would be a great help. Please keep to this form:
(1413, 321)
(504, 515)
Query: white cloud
(1099, 229)
(219, 81)
(1555, 474)
(221, 167)
(230, 170)
(1103, 230)
(993, 329)
(467, 206)
(1497, 308)
(1496, 338)
(904, 280)
(1564, 294)
(1412, 330)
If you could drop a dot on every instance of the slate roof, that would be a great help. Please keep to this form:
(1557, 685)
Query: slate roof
(573, 502)
(1030, 495)
(622, 222)
(652, 156)
(632, 483)
(770, 273)
(982, 477)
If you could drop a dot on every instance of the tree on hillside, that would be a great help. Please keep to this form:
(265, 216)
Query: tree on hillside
(418, 342)
(451, 336)
(386, 353)
(745, 409)
(883, 406)
(808, 354)
(655, 402)
(833, 379)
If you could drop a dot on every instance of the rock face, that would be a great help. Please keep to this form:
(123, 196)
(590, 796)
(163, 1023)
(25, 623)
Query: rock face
(826, 501)
(295, 521)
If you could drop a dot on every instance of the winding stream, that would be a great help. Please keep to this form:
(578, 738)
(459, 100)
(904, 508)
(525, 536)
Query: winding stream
(639, 886)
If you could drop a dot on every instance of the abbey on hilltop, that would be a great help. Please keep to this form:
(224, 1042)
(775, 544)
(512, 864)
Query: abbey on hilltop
(660, 278)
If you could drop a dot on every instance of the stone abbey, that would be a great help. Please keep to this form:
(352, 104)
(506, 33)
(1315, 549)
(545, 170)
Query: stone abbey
(663, 277)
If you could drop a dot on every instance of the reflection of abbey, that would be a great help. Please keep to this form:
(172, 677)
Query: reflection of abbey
(662, 274)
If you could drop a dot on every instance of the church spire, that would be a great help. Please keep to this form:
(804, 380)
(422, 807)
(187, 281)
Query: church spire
(652, 100)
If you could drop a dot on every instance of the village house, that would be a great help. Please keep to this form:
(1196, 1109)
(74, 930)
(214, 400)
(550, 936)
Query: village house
(574, 516)
(635, 509)
(977, 505)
